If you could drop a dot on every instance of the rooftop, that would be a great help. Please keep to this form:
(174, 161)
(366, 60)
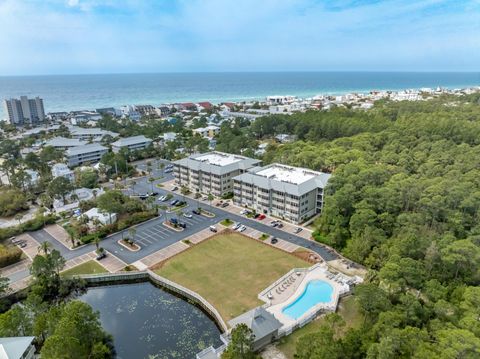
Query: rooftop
(14, 347)
(219, 158)
(287, 174)
(131, 141)
(85, 149)
(261, 322)
(64, 142)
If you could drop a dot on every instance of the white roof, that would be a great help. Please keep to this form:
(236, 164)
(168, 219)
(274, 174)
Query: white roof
(14, 347)
(73, 151)
(64, 142)
(219, 159)
(134, 140)
(287, 174)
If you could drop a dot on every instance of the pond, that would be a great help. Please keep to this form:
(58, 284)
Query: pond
(148, 322)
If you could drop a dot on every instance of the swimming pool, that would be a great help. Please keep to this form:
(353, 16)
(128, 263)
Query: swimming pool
(316, 291)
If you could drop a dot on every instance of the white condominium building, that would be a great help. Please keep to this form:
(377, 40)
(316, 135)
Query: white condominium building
(211, 172)
(131, 143)
(291, 193)
(25, 110)
(92, 153)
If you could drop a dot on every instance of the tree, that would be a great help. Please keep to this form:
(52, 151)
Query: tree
(19, 217)
(45, 247)
(12, 201)
(241, 343)
(78, 334)
(59, 187)
(463, 256)
(151, 180)
(86, 178)
(131, 233)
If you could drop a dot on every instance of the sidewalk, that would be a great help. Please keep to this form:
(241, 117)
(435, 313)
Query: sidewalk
(15, 267)
(112, 263)
(161, 255)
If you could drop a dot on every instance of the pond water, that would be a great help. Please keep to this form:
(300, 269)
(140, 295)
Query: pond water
(148, 322)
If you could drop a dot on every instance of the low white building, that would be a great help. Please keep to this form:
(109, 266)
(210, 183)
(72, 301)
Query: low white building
(91, 153)
(62, 170)
(169, 136)
(102, 217)
(131, 143)
(64, 143)
(208, 132)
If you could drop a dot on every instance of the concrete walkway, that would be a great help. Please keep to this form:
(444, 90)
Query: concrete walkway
(112, 263)
(161, 255)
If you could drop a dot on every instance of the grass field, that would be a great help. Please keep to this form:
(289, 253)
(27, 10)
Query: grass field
(349, 311)
(90, 267)
(229, 271)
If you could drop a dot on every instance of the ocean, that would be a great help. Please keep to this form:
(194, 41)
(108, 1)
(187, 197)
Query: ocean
(80, 92)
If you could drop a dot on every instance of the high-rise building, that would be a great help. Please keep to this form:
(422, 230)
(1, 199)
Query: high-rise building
(24, 110)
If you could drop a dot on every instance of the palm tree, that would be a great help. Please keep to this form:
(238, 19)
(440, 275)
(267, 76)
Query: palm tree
(97, 243)
(151, 180)
(94, 192)
(210, 198)
(133, 186)
(131, 233)
(45, 247)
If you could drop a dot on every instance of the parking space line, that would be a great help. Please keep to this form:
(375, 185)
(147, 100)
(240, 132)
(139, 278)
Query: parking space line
(151, 233)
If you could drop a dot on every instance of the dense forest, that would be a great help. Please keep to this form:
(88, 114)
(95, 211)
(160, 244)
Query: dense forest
(404, 201)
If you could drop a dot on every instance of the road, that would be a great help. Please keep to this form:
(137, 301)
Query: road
(153, 235)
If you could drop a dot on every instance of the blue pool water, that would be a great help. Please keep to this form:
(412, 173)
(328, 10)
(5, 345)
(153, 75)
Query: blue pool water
(316, 291)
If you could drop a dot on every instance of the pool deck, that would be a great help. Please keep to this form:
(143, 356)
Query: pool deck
(291, 286)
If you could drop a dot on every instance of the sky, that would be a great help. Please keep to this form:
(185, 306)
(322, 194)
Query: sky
(127, 36)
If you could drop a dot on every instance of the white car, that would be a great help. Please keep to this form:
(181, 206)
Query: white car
(162, 198)
(242, 228)
(244, 211)
(236, 226)
(187, 215)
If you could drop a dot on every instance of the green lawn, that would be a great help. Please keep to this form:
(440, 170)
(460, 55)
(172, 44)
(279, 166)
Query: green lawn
(90, 267)
(229, 271)
(349, 311)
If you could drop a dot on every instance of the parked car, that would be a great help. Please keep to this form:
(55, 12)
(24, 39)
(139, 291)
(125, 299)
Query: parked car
(174, 188)
(174, 202)
(196, 211)
(143, 196)
(297, 230)
(173, 221)
(181, 203)
(244, 211)
(262, 216)
(280, 225)
(256, 215)
(168, 170)
(225, 204)
(101, 255)
(154, 194)
(205, 198)
(242, 228)
(219, 203)
(169, 166)
(274, 223)
(181, 224)
(162, 198)
(213, 229)
(22, 244)
(236, 226)
(187, 215)
(274, 240)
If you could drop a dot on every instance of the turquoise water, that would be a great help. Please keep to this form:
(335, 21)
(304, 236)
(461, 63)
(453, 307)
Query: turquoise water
(77, 92)
(316, 291)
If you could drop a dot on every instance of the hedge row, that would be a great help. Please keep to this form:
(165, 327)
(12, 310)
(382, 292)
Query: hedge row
(33, 224)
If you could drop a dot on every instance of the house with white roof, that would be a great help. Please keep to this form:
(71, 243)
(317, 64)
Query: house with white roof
(62, 170)
(102, 217)
(208, 132)
(90, 134)
(131, 143)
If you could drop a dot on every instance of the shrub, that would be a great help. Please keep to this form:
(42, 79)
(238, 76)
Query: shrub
(228, 195)
(33, 224)
(12, 201)
(9, 255)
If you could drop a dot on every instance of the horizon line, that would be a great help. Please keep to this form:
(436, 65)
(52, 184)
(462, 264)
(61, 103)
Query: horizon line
(248, 72)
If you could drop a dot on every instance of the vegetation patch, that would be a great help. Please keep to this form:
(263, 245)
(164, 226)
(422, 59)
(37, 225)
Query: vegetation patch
(227, 222)
(90, 267)
(229, 270)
